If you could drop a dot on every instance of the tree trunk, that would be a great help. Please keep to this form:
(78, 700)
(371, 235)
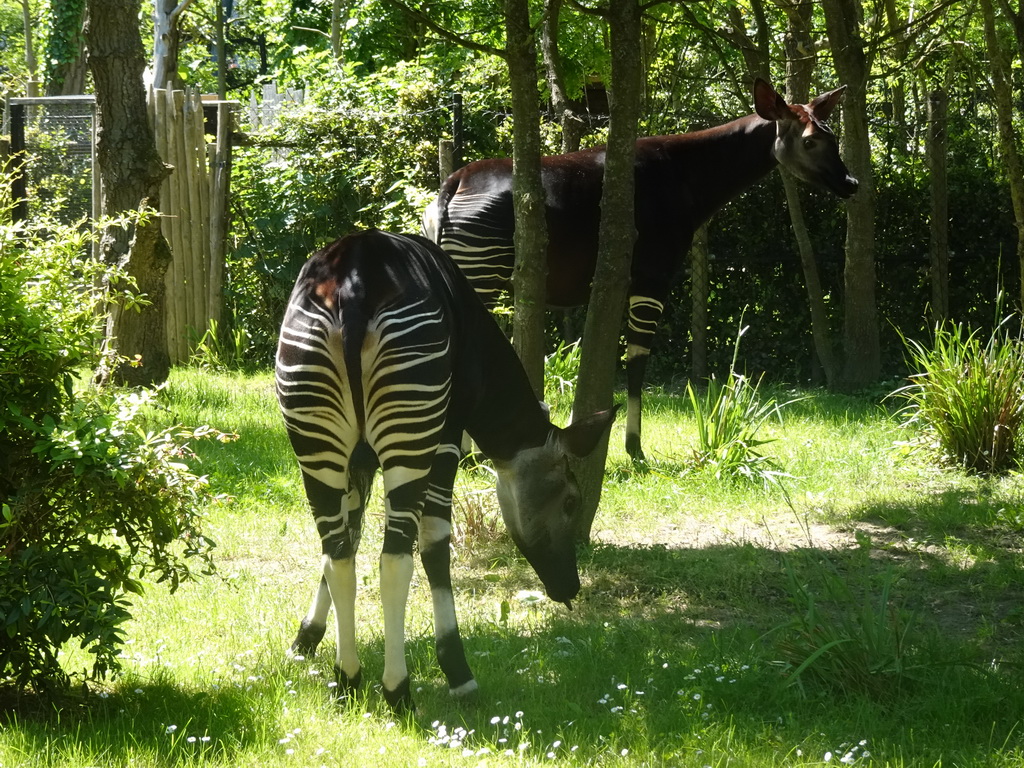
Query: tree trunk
(862, 354)
(65, 55)
(800, 59)
(166, 42)
(617, 233)
(1002, 90)
(31, 63)
(700, 292)
(572, 126)
(939, 239)
(131, 172)
(529, 279)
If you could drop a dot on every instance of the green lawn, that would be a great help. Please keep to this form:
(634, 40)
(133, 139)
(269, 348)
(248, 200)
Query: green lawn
(866, 612)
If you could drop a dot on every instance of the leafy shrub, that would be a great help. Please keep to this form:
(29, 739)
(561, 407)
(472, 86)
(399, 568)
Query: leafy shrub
(92, 500)
(967, 396)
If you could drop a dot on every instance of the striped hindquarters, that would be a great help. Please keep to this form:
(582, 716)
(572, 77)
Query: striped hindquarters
(406, 370)
(382, 384)
(477, 232)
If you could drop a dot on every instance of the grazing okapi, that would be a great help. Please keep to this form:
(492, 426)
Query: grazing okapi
(680, 182)
(386, 356)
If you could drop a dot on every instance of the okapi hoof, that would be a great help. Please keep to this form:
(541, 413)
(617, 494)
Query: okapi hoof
(634, 450)
(345, 686)
(308, 638)
(400, 699)
(465, 691)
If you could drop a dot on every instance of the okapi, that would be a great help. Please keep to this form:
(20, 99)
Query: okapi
(681, 181)
(386, 356)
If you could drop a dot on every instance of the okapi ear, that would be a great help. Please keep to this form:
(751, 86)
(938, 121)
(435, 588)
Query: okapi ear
(768, 103)
(823, 105)
(581, 437)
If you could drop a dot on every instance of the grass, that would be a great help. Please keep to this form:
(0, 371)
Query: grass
(969, 396)
(701, 600)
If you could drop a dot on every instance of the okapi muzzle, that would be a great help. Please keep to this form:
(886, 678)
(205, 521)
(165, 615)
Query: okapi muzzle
(539, 501)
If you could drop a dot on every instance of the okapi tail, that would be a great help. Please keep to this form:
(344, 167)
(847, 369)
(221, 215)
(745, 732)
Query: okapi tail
(354, 321)
(437, 211)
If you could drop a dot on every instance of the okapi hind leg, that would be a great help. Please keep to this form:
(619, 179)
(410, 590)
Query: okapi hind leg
(339, 516)
(313, 626)
(404, 498)
(644, 314)
(435, 553)
(340, 575)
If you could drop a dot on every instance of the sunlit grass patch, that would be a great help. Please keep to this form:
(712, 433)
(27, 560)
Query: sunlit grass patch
(666, 658)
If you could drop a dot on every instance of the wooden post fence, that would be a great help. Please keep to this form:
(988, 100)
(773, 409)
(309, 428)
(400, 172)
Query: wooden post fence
(193, 203)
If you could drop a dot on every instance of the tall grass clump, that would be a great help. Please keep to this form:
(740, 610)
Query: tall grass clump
(561, 369)
(728, 417)
(842, 641)
(967, 397)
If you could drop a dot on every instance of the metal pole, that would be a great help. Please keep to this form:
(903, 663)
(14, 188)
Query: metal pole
(19, 184)
(456, 131)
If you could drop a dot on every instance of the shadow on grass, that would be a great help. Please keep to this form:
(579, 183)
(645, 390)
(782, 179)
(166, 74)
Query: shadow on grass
(159, 720)
(666, 653)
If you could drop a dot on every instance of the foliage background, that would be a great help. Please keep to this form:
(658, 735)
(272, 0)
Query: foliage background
(361, 151)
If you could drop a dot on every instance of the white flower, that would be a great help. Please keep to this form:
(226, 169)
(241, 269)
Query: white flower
(171, 729)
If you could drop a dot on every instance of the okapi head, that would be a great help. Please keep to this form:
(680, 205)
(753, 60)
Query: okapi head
(804, 144)
(540, 499)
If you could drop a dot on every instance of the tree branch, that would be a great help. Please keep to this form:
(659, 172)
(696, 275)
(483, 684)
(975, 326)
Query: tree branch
(447, 34)
(182, 6)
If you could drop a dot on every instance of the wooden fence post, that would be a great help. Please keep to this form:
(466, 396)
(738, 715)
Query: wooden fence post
(196, 233)
(445, 158)
(220, 183)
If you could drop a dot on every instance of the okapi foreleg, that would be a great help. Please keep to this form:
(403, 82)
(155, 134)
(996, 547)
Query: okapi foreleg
(644, 313)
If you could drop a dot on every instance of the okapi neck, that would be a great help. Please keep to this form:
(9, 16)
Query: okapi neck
(508, 417)
(725, 160)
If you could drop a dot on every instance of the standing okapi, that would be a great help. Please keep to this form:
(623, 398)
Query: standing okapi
(386, 356)
(680, 182)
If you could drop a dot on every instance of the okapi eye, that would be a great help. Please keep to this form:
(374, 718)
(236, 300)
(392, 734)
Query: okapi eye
(809, 143)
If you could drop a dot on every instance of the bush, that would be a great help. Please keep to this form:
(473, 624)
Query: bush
(967, 398)
(92, 500)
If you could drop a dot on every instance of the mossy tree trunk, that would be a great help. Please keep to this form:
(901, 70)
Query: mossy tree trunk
(130, 173)
(599, 358)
